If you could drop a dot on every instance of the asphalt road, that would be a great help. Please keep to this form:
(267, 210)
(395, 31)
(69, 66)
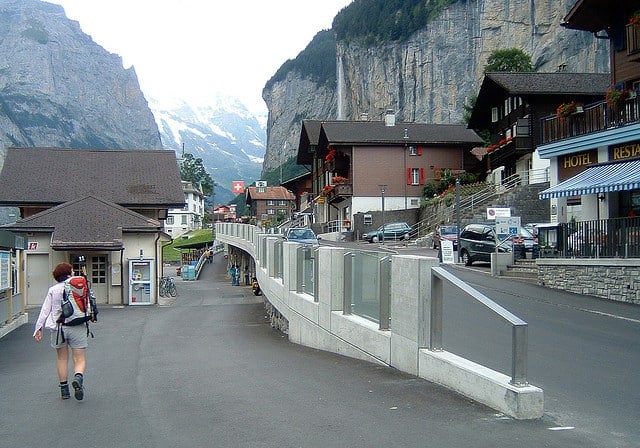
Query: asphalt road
(208, 371)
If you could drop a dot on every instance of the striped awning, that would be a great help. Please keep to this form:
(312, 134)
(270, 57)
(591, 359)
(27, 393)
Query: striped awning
(605, 178)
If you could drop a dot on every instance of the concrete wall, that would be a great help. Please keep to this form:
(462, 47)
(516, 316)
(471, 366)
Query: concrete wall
(319, 322)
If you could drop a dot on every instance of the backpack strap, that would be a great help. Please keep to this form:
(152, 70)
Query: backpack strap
(60, 334)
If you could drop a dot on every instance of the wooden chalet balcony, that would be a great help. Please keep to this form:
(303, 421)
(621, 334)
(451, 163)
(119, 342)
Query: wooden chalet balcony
(512, 150)
(340, 192)
(595, 117)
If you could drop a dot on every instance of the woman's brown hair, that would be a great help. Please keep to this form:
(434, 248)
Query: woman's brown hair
(62, 271)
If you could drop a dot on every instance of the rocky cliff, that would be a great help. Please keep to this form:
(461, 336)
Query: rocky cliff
(59, 88)
(429, 77)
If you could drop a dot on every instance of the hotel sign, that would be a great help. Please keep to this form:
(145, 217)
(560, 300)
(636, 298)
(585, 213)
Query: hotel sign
(629, 150)
(571, 164)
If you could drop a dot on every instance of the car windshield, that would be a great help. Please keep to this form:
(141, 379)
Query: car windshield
(449, 230)
(525, 233)
(302, 234)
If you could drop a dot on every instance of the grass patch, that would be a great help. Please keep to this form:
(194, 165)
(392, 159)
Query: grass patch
(194, 239)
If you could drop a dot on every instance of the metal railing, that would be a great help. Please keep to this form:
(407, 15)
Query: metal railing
(367, 277)
(605, 238)
(593, 118)
(519, 328)
(470, 203)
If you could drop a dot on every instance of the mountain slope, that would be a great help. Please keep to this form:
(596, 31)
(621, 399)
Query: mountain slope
(59, 88)
(224, 134)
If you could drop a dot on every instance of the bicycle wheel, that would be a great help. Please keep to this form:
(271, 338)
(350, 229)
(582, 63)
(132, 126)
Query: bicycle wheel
(173, 291)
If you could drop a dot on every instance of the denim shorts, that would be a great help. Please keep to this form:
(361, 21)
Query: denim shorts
(75, 337)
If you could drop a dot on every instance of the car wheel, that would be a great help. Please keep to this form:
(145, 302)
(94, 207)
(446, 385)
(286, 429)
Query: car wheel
(405, 236)
(466, 259)
(374, 239)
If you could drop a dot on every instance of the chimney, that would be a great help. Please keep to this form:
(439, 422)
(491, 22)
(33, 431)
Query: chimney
(364, 116)
(389, 118)
(562, 67)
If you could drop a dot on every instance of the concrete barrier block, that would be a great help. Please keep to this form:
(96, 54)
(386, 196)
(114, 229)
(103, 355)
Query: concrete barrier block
(481, 384)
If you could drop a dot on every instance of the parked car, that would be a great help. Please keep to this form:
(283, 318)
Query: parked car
(447, 232)
(389, 232)
(300, 235)
(477, 243)
(526, 237)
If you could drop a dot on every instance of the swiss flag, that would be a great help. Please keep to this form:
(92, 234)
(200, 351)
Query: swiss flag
(237, 186)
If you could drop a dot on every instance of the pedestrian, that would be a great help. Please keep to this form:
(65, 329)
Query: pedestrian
(246, 276)
(234, 272)
(75, 337)
(237, 276)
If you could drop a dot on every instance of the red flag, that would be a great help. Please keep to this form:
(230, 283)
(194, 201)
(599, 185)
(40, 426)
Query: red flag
(237, 186)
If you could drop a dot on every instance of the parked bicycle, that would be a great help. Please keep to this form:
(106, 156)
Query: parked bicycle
(167, 287)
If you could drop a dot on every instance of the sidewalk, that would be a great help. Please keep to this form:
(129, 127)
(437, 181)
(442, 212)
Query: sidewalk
(209, 371)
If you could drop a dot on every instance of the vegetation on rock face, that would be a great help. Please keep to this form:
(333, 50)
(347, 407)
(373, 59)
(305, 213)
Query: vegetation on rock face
(378, 21)
(316, 62)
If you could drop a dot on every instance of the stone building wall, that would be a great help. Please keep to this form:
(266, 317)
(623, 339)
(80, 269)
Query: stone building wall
(613, 279)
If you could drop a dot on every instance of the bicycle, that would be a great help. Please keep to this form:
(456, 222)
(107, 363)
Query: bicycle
(167, 287)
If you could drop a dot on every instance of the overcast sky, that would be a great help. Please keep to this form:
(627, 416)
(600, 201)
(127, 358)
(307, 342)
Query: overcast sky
(190, 49)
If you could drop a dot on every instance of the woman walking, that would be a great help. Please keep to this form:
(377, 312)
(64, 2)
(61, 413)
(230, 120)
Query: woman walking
(75, 337)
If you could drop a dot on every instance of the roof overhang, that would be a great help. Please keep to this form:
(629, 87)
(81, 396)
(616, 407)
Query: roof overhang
(604, 178)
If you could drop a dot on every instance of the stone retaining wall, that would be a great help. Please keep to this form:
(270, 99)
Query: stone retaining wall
(615, 279)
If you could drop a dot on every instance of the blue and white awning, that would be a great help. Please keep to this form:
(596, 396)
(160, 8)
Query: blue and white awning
(605, 178)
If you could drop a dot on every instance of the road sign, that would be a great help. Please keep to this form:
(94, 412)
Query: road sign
(508, 226)
(495, 212)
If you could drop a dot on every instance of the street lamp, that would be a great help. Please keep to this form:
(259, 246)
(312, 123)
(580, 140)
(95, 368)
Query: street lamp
(383, 189)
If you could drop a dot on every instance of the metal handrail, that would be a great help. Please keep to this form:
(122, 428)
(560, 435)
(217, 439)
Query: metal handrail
(519, 328)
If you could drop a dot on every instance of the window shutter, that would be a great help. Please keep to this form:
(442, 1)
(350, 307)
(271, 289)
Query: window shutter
(408, 176)
(419, 150)
(421, 176)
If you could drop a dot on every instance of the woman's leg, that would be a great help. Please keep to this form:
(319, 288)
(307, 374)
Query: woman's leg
(79, 360)
(62, 363)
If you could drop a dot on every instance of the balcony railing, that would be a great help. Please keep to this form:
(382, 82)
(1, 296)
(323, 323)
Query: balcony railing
(595, 117)
(340, 192)
(605, 238)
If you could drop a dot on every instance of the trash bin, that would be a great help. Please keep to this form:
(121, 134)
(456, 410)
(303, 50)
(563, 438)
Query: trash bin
(519, 252)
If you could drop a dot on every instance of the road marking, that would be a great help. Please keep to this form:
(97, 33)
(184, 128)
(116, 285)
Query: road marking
(561, 428)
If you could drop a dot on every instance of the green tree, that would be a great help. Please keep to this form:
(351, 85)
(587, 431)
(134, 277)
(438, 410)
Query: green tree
(509, 60)
(192, 170)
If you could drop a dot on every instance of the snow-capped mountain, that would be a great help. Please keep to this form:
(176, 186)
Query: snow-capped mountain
(230, 140)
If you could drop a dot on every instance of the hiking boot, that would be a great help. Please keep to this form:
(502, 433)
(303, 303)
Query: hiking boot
(64, 391)
(78, 390)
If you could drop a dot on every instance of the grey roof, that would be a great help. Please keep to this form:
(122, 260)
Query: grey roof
(87, 223)
(534, 83)
(376, 132)
(51, 176)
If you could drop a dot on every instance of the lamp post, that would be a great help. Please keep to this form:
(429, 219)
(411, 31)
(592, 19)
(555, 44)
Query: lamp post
(383, 189)
(458, 217)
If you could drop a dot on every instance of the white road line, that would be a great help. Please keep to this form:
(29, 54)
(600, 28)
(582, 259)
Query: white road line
(561, 428)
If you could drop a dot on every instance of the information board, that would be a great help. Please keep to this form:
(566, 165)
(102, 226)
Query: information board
(5, 270)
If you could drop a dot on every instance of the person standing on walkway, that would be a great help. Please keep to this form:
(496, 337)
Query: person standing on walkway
(246, 275)
(75, 337)
(233, 272)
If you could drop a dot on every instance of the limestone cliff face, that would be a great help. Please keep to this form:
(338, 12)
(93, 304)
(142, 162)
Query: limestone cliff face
(59, 88)
(429, 77)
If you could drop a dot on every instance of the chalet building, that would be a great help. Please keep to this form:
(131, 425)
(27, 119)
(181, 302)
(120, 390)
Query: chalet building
(270, 204)
(102, 209)
(189, 217)
(509, 107)
(356, 166)
(222, 213)
(595, 155)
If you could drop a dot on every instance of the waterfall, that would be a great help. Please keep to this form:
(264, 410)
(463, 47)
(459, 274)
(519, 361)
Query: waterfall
(340, 76)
